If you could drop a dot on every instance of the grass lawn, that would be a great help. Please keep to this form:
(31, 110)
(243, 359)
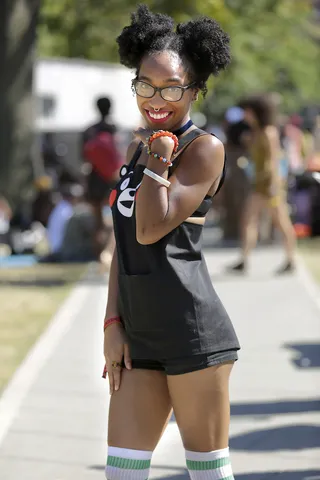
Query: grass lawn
(29, 297)
(309, 249)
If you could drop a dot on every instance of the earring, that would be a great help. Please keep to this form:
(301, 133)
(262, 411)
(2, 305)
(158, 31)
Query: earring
(196, 97)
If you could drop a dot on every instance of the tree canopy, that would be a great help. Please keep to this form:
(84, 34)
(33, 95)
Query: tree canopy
(275, 43)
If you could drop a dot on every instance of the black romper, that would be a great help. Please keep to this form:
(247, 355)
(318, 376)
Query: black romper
(172, 315)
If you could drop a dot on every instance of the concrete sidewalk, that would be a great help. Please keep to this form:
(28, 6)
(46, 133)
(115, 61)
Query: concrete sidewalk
(53, 417)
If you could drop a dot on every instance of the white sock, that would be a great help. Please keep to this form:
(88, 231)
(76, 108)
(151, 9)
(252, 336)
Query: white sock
(127, 464)
(209, 465)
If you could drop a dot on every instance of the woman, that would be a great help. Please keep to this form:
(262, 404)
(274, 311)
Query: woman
(169, 343)
(268, 189)
(98, 187)
(235, 190)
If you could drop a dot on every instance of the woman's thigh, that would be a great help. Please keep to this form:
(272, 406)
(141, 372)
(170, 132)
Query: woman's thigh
(254, 205)
(201, 406)
(139, 410)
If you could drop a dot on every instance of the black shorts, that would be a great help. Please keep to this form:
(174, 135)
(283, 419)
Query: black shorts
(178, 366)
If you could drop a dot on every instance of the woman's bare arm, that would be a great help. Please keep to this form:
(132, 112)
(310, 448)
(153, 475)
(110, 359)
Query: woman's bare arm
(159, 210)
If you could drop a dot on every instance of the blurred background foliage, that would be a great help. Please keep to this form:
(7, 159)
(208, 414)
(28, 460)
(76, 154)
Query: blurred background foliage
(275, 43)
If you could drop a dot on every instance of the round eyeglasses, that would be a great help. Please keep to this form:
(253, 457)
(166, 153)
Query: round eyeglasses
(169, 94)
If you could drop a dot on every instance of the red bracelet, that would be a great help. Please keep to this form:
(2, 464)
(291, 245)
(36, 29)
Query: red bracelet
(164, 133)
(110, 321)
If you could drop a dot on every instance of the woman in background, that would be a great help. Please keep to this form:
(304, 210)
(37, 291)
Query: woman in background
(268, 188)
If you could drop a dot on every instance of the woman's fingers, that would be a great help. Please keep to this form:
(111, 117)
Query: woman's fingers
(116, 368)
(142, 134)
(117, 355)
(126, 357)
(110, 377)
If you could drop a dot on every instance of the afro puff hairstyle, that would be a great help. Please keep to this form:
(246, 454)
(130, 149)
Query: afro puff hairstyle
(201, 43)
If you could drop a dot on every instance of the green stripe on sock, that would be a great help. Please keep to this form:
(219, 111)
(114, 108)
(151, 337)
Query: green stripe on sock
(128, 463)
(210, 465)
(228, 478)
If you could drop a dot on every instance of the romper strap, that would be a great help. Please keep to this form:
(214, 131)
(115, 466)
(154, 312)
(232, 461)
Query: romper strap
(135, 157)
(187, 139)
(183, 144)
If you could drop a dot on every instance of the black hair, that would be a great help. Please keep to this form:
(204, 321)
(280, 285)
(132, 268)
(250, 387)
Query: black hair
(201, 43)
(104, 105)
(262, 107)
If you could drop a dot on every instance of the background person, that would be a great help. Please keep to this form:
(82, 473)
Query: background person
(104, 160)
(235, 190)
(268, 190)
(59, 217)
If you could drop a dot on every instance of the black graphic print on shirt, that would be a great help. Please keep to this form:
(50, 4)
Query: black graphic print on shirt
(125, 193)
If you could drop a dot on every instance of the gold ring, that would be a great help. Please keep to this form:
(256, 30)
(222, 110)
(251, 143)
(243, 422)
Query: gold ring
(115, 364)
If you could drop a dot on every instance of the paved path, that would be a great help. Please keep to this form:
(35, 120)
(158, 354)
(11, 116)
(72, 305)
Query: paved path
(53, 417)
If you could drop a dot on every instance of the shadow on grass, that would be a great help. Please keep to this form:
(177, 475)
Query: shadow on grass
(43, 282)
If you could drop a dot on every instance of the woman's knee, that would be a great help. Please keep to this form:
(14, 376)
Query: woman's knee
(280, 216)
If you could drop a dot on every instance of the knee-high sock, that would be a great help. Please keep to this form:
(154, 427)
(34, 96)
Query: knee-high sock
(209, 465)
(127, 464)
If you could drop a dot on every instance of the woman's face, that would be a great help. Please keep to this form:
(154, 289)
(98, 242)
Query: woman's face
(164, 70)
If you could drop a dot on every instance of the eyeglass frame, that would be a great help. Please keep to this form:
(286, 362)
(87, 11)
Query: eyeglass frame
(159, 89)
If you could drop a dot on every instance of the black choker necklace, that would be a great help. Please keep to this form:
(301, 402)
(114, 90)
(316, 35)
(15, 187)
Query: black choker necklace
(183, 129)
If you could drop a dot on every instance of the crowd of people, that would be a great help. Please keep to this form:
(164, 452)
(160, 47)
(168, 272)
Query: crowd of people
(71, 220)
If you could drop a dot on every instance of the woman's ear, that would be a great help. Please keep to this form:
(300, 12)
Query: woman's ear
(195, 95)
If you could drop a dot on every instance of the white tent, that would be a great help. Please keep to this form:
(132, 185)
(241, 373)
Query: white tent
(66, 91)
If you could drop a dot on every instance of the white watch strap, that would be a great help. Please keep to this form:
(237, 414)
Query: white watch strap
(156, 177)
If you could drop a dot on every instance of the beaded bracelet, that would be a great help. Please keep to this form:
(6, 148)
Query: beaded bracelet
(110, 321)
(164, 133)
(159, 157)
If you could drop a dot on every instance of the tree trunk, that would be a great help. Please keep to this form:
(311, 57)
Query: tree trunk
(18, 21)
